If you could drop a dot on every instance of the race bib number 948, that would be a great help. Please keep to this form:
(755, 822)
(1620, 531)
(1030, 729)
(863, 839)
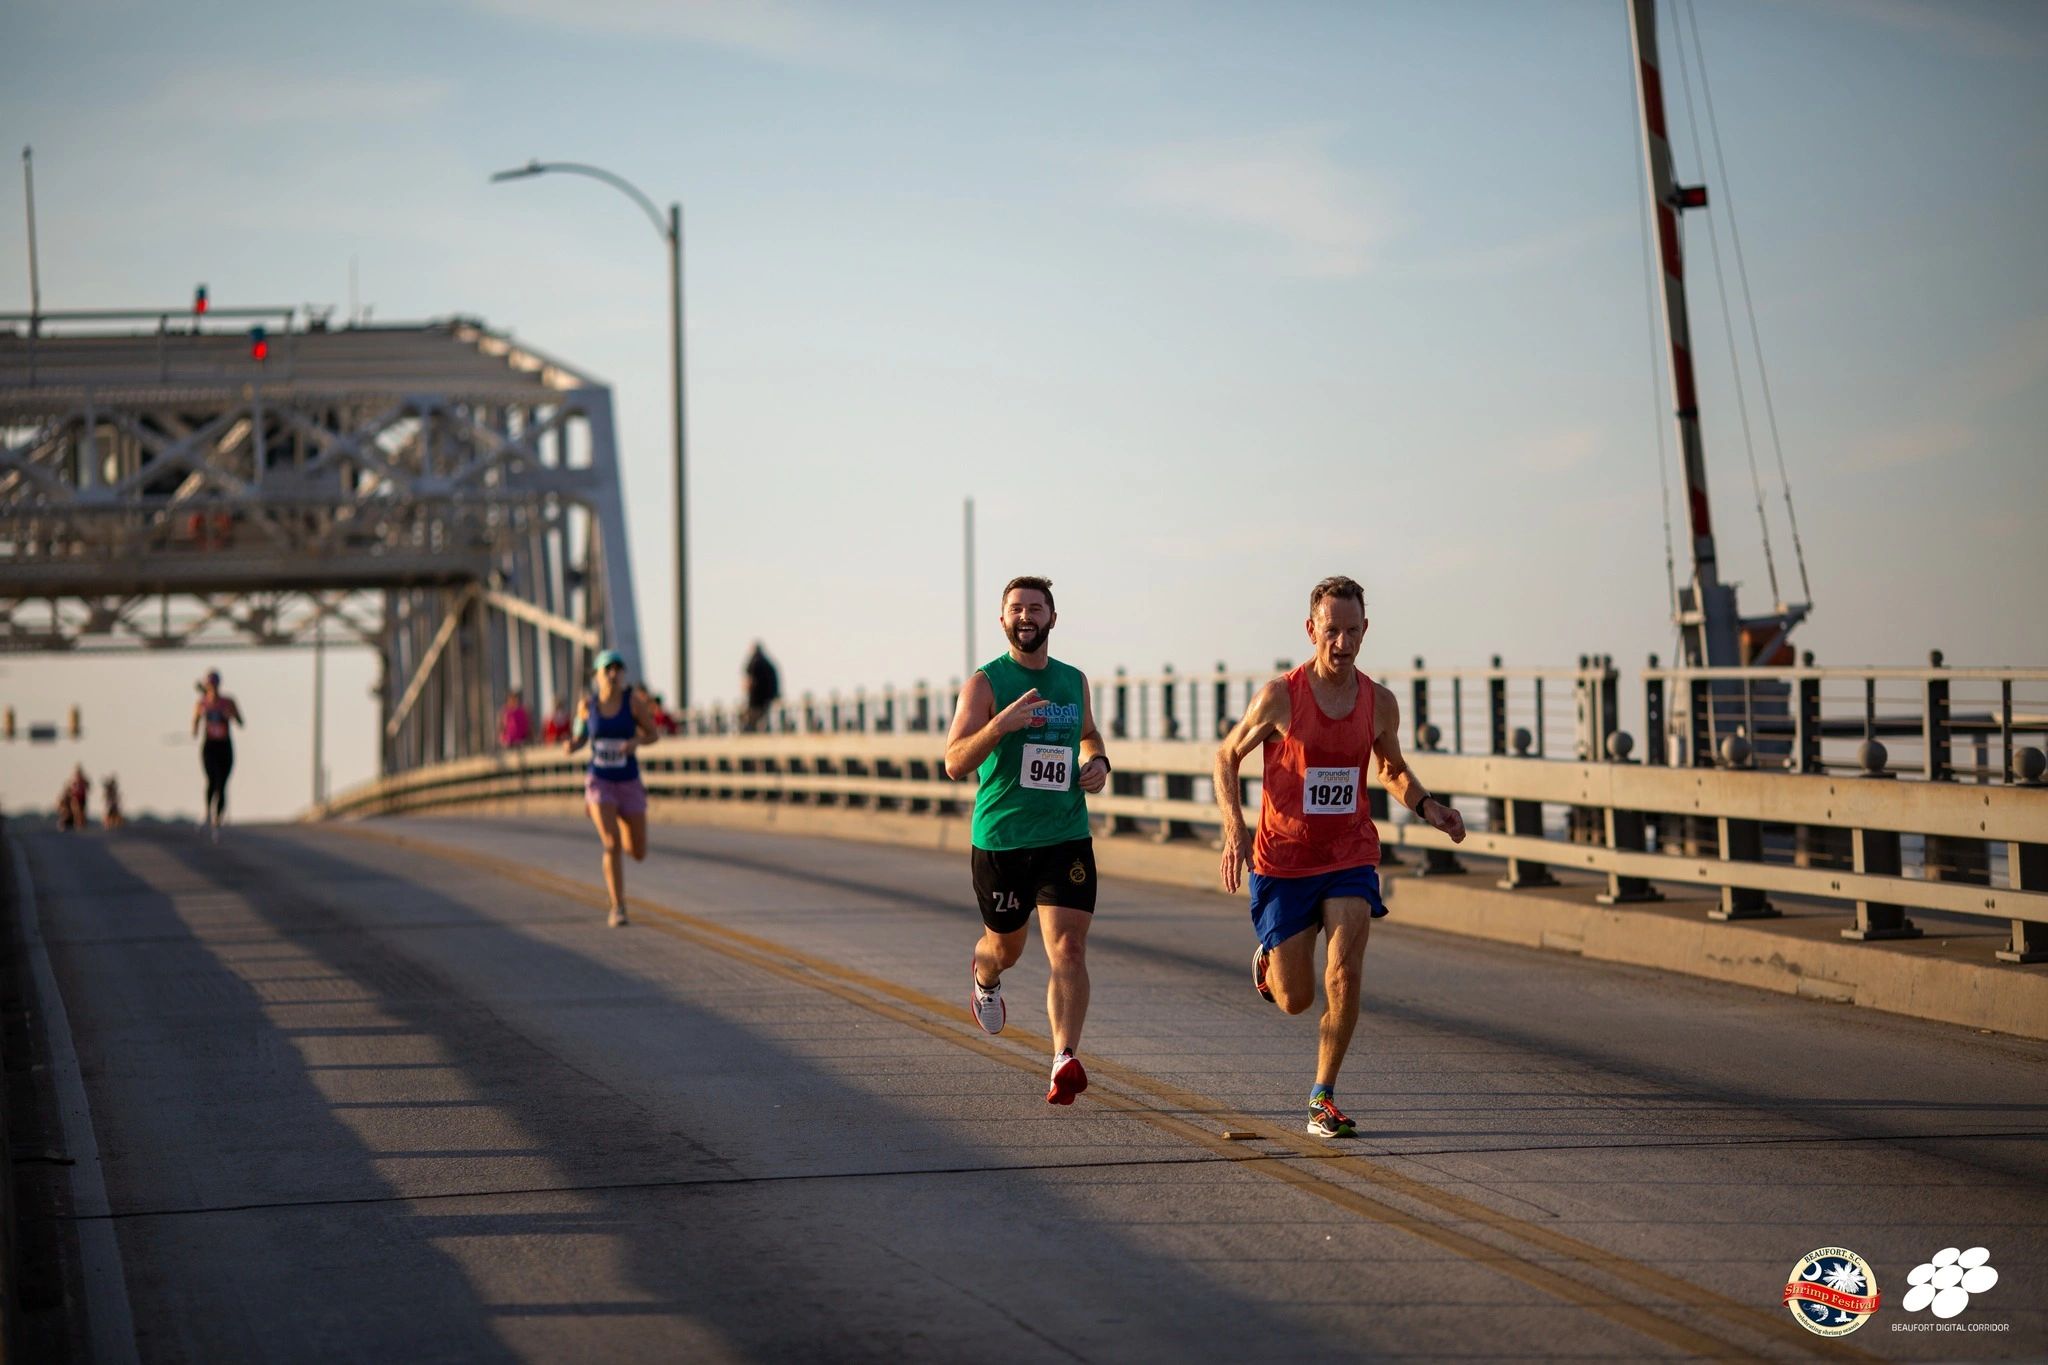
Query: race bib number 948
(1047, 767)
(1329, 791)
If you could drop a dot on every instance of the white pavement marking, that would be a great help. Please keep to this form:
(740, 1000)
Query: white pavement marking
(110, 1325)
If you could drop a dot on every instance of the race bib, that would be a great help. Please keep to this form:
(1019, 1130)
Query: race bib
(609, 753)
(1047, 768)
(1329, 791)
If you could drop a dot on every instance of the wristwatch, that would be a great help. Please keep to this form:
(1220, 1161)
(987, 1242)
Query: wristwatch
(1105, 762)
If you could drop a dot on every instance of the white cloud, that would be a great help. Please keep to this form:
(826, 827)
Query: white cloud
(1958, 403)
(1286, 189)
(1522, 254)
(801, 34)
(277, 97)
(1976, 34)
(2017, 364)
(1559, 452)
(1910, 445)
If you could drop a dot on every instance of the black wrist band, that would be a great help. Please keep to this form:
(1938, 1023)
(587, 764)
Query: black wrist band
(1105, 762)
(1426, 799)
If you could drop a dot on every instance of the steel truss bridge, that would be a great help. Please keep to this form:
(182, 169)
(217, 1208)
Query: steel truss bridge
(439, 493)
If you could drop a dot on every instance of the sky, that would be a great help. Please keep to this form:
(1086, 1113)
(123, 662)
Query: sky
(1198, 302)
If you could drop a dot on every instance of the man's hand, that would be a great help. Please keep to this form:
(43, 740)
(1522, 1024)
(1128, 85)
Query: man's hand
(1445, 818)
(1020, 713)
(1237, 856)
(1094, 774)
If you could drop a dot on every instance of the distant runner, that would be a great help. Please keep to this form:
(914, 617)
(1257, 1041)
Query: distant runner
(213, 713)
(71, 806)
(617, 719)
(1025, 722)
(1316, 861)
(111, 799)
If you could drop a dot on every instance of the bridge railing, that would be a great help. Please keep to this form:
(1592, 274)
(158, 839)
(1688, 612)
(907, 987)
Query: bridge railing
(1935, 723)
(1876, 848)
(1544, 712)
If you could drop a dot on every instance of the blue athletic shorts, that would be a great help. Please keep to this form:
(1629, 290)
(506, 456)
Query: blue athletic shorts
(1284, 906)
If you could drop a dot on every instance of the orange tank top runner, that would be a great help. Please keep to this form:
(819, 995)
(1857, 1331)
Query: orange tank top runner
(1313, 816)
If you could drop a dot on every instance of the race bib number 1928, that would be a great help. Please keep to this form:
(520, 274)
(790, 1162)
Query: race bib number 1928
(1047, 767)
(1329, 791)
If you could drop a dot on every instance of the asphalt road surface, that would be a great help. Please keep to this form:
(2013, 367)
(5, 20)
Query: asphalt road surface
(396, 1093)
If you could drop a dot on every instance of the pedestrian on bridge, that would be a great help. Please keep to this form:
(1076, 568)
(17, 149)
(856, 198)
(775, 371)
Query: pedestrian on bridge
(556, 728)
(1315, 863)
(761, 684)
(213, 713)
(616, 718)
(515, 722)
(1022, 720)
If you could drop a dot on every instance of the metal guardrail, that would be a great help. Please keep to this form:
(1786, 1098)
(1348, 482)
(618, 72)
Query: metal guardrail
(1877, 847)
(1937, 723)
(1545, 712)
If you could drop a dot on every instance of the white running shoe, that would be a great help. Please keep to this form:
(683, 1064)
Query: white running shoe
(1068, 1079)
(985, 1003)
(618, 918)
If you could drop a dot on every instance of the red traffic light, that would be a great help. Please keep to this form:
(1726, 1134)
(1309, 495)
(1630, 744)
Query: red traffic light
(259, 346)
(199, 299)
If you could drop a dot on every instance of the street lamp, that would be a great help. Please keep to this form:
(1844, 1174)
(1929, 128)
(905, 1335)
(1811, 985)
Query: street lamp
(671, 230)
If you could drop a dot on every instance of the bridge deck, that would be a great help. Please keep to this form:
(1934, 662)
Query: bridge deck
(358, 1099)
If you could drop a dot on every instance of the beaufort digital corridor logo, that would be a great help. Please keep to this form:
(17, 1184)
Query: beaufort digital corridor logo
(1831, 1291)
(1944, 1284)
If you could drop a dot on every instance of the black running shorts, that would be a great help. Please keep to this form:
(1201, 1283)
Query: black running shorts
(1008, 885)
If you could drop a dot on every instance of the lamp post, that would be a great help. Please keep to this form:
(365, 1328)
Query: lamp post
(671, 230)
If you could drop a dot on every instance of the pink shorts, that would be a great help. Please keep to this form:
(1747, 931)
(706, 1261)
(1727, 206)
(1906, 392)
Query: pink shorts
(629, 795)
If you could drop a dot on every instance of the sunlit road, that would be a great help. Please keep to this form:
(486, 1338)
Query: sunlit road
(397, 1094)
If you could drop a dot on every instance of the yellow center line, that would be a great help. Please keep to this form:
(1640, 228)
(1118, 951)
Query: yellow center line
(929, 1015)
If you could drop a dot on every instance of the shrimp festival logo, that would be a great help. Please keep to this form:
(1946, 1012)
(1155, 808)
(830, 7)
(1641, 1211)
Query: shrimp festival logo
(1832, 1291)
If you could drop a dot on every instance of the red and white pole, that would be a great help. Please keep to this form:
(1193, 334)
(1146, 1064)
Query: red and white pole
(1712, 631)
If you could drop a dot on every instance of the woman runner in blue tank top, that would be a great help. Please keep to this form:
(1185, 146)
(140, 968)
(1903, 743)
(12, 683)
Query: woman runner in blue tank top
(615, 719)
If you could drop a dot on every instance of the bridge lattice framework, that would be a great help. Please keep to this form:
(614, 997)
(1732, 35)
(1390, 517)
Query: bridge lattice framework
(438, 493)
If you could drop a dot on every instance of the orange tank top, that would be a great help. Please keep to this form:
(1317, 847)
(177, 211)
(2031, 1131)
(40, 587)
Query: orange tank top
(1313, 816)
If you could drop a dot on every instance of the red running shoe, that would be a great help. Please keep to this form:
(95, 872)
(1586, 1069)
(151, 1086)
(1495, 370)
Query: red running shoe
(1068, 1080)
(1325, 1120)
(1259, 974)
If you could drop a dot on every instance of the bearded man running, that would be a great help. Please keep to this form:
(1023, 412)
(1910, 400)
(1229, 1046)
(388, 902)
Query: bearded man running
(1024, 722)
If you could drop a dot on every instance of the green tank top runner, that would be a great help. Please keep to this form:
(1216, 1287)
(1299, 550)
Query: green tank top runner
(1029, 797)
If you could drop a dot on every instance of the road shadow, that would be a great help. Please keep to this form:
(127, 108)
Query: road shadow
(1643, 1080)
(283, 1189)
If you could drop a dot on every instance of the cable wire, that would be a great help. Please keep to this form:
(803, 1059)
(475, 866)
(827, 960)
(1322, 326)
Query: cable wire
(1756, 481)
(1748, 303)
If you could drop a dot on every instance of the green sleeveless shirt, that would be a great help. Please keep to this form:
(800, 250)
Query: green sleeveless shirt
(1029, 797)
